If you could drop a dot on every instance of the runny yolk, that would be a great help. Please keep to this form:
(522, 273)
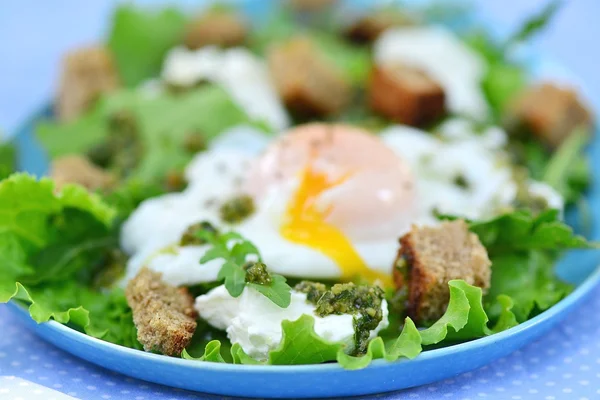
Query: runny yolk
(305, 224)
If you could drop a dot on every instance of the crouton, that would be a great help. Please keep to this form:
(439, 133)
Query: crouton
(368, 28)
(406, 95)
(79, 170)
(218, 28)
(311, 5)
(164, 315)
(86, 74)
(308, 83)
(548, 112)
(430, 257)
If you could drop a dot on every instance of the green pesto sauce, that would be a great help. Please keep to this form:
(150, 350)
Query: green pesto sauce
(237, 209)
(190, 236)
(361, 301)
(256, 272)
(313, 290)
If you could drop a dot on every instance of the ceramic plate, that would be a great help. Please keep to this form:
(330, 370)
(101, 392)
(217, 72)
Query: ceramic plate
(327, 380)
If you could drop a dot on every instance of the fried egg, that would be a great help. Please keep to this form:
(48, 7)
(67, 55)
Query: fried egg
(330, 200)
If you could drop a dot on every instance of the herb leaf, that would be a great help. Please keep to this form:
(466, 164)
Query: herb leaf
(279, 292)
(236, 251)
(536, 22)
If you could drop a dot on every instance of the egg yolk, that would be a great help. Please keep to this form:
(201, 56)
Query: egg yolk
(305, 223)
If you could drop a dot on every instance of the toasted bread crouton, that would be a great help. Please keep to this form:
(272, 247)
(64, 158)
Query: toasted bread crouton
(164, 315)
(368, 28)
(406, 95)
(311, 5)
(86, 74)
(430, 257)
(308, 83)
(548, 112)
(217, 28)
(77, 169)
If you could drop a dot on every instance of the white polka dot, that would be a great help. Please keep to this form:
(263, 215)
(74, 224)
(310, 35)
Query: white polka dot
(2, 354)
(567, 390)
(34, 358)
(567, 360)
(106, 396)
(62, 372)
(76, 379)
(91, 387)
(15, 363)
(584, 383)
(500, 374)
(43, 378)
(534, 359)
(534, 376)
(517, 382)
(533, 391)
(449, 394)
(550, 398)
(139, 398)
(584, 368)
(480, 394)
(124, 391)
(584, 351)
(551, 368)
(550, 383)
(516, 397)
(110, 383)
(500, 389)
(57, 385)
(482, 380)
(567, 376)
(48, 365)
(466, 387)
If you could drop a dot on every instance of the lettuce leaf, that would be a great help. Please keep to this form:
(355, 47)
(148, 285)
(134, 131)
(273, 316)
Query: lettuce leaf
(465, 319)
(140, 38)
(50, 244)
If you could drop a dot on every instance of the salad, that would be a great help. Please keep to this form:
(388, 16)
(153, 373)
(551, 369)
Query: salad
(325, 185)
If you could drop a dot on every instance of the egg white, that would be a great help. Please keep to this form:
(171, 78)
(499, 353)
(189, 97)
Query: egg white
(152, 233)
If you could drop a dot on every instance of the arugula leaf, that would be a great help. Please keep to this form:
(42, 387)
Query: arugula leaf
(139, 40)
(279, 292)
(523, 231)
(567, 171)
(536, 22)
(164, 123)
(237, 251)
(524, 249)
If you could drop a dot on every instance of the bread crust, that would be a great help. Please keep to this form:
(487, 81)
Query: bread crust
(433, 257)
(406, 95)
(163, 314)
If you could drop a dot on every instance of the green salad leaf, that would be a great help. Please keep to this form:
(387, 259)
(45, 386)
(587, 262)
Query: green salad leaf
(567, 171)
(237, 252)
(536, 22)
(465, 319)
(50, 245)
(140, 38)
(212, 353)
(163, 124)
(524, 249)
(8, 159)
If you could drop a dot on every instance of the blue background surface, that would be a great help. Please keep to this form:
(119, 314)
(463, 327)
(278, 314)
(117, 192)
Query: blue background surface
(563, 365)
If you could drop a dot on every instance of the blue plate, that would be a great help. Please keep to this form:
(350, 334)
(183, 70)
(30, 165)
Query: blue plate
(327, 380)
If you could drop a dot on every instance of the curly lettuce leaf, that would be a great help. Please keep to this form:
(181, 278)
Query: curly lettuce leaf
(50, 244)
(465, 319)
(140, 38)
(212, 353)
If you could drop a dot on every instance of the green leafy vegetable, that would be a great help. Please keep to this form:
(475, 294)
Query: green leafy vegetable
(567, 171)
(524, 249)
(536, 23)
(237, 252)
(8, 159)
(139, 40)
(212, 353)
(50, 244)
(164, 123)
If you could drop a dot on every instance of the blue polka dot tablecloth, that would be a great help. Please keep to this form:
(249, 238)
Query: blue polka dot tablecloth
(565, 364)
